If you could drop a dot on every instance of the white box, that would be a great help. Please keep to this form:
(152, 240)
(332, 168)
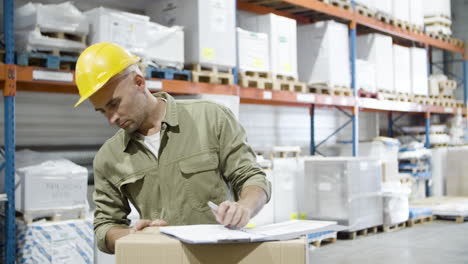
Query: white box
(51, 185)
(400, 10)
(165, 45)
(285, 177)
(63, 17)
(283, 41)
(125, 29)
(209, 25)
(437, 8)
(253, 51)
(377, 49)
(69, 241)
(346, 190)
(419, 79)
(401, 69)
(365, 76)
(324, 49)
(416, 9)
(384, 6)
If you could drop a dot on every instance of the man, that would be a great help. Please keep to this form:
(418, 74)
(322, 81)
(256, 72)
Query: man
(169, 158)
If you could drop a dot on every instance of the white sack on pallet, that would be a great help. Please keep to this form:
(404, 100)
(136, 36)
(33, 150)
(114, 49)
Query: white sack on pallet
(395, 203)
(439, 29)
(437, 8)
(400, 10)
(377, 49)
(122, 28)
(401, 69)
(418, 73)
(347, 190)
(282, 33)
(209, 26)
(384, 6)
(33, 40)
(365, 76)
(70, 242)
(416, 12)
(324, 49)
(253, 51)
(165, 45)
(63, 17)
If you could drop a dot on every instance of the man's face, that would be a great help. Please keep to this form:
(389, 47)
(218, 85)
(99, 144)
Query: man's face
(121, 102)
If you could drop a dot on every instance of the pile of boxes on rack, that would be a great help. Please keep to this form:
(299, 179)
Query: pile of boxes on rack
(54, 225)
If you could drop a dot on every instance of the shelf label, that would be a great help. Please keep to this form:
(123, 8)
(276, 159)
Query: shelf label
(267, 95)
(308, 98)
(344, 101)
(328, 100)
(156, 85)
(448, 110)
(55, 76)
(419, 108)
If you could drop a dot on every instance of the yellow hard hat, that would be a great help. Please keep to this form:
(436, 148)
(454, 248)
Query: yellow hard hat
(97, 64)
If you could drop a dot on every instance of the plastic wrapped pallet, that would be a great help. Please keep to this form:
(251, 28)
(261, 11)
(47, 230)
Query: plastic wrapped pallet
(324, 49)
(401, 69)
(377, 49)
(384, 6)
(33, 40)
(418, 73)
(365, 76)
(42, 242)
(416, 9)
(210, 28)
(400, 10)
(253, 51)
(346, 190)
(457, 176)
(63, 17)
(165, 45)
(49, 185)
(382, 148)
(395, 203)
(283, 41)
(285, 177)
(125, 29)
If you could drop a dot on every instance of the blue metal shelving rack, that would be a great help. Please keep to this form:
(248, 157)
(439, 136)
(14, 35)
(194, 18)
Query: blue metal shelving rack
(9, 108)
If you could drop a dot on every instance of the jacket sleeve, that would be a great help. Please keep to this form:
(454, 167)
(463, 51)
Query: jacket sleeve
(237, 159)
(112, 207)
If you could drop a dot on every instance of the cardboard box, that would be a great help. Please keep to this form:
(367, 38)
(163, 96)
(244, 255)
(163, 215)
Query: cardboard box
(324, 49)
(416, 12)
(149, 246)
(283, 41)
(400, 10)
(401, 69)
(253, 51)
(419, 79)
(209, 26)
(165, 45)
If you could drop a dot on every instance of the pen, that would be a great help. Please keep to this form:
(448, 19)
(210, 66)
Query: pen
(213, 205)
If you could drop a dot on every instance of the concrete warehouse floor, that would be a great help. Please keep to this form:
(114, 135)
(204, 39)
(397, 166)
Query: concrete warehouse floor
(438, 242)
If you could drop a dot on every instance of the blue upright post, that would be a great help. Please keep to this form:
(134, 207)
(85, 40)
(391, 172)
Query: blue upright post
(235, 71)
(355, 117)
(390, 124)
(465, 95)
(427, 116)
(312, 130)
(9, 118)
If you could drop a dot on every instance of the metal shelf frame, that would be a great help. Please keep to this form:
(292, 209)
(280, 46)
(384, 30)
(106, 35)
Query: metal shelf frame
(13, 78)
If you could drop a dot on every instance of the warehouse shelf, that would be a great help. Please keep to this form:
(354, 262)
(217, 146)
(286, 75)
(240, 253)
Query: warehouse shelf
(308, 11)
(38, 79)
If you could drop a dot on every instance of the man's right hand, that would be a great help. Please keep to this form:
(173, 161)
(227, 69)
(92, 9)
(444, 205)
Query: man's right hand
(142, 224)
(117, 232)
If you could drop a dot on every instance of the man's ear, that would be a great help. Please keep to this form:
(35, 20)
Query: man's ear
(139, 82)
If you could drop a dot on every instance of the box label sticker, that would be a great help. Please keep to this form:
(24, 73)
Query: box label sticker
(54, 76)
(208, 53)
(328, 100)
(258, 63)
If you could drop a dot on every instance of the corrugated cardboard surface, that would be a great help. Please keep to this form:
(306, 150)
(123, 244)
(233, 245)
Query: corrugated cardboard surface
(150, 246)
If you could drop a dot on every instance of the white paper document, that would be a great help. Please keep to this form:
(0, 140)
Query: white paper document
(213, 234)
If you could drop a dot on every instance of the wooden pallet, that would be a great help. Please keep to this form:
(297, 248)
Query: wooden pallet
(47, 60)
(386, 95)
(402, 24)
(168, 74)
(53, 214)
(211, 74)
(322, 88)
(439, 35)
(324, 239)
(419, 220)
(439, 145)
(345, 4)
(421, 99)
(354, 234)
(285, 152)
(292, 86)
(386, 18)
(417, 29)
(392, 228)
(366, 94)
(259, 83)
(64, 35)
(365, 11)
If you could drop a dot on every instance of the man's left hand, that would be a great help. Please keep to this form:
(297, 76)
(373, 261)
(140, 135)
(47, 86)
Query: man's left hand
(233, 214)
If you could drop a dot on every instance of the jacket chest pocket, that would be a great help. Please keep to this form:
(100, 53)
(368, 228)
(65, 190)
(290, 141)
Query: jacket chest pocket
(202, 179)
